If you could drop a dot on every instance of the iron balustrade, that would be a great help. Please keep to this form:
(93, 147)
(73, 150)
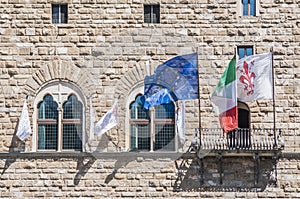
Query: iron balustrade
(262, 139)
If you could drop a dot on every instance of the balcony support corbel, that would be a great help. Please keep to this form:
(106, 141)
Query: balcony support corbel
(201, 171)
(275, 159)
(219, 157)
(256, 168)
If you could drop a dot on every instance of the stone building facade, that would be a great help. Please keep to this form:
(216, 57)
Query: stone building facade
(101, 51)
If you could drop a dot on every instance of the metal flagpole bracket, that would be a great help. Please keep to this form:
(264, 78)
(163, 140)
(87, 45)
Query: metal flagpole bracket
(219, 157)
(256, 168)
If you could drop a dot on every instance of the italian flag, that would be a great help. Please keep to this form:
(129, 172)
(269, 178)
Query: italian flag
(224, 98)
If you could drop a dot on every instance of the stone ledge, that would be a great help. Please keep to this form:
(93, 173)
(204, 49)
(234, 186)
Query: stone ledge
(141, 155)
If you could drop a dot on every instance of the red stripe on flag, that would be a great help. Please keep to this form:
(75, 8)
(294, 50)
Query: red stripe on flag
(229, 119)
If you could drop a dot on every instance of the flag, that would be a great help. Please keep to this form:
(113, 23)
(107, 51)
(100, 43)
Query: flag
(254, 77)
(24, 129)
(224, 98)
(108, 121)
(180, 123)
(178, 75)
(160, 97)
(92, 121)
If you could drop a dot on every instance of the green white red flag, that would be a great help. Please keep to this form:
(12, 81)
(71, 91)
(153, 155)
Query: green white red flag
(224, 98)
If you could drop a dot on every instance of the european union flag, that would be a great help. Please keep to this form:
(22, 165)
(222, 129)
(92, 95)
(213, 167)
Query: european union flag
(177, 76)
(160, 97)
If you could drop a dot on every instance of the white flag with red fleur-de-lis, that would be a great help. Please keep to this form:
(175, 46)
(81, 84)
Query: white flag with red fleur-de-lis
(254, 77)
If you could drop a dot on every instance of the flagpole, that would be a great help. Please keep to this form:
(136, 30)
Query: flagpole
(199, 104)
(274, 112)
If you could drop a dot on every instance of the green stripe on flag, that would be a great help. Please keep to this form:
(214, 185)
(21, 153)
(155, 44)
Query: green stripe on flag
(228, 76)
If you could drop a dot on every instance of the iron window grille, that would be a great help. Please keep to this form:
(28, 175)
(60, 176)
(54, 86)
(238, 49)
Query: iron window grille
(154, 129)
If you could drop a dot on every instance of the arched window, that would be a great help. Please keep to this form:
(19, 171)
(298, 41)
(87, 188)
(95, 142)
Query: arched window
(152, 129)
(59, 118)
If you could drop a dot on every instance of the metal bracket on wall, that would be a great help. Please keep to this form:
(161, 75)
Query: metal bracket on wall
(256, 168)
(275, 158)
(201, 171)
(219, 157)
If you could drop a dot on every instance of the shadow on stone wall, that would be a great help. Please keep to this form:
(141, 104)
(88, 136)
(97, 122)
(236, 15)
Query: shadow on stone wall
(224, 174)
(16, 146)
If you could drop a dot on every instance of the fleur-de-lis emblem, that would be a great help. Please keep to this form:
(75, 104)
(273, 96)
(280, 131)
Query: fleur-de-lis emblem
(247, 78)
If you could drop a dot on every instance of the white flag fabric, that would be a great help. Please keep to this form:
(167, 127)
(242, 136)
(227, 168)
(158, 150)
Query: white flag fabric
(180, 123)
(108, 121)
(92, 121)
(24, 129)
(254, 77)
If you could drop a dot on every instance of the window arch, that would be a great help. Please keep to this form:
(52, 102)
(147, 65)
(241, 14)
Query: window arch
(152, 129)
(59, 115)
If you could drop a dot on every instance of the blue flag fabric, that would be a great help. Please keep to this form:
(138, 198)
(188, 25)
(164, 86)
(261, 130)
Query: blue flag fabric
(178, 76)
(160, 97)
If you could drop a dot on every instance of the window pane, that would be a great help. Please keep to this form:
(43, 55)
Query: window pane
(245, 7)
(252, 7)
(165, 111)
(147, 13)
(47, 136)
(47, 109)
(155, 14)
(72, 133)
(55, 13)
(137, 111)
(72, 136)
(64, 14)
(164, 137)
(241, 52)
(140, 137)
(72, 108)
(245, 51)
(249, 51)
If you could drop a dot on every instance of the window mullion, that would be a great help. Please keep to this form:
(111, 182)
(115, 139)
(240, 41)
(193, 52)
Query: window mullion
(152, 129)
(151, 13)
(59, 13)
(59, 147)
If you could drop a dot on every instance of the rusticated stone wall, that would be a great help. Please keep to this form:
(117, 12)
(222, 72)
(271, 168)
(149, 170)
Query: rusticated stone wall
(106, 50)
(146, 176)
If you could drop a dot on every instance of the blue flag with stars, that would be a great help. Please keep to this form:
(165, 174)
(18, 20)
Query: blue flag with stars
(178, 76)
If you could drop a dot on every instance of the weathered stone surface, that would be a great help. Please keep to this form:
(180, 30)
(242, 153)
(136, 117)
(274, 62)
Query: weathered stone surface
(106, 50)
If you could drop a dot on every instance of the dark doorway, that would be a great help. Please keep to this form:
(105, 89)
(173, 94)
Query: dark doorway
(241, 138)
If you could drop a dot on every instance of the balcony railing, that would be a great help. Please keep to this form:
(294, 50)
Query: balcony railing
(239, 139)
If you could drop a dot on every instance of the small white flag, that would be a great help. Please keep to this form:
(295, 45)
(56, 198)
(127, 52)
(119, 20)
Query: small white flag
(180, 123)
(254, 77)
(24, 129)
(108, 121)
(92, 121)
